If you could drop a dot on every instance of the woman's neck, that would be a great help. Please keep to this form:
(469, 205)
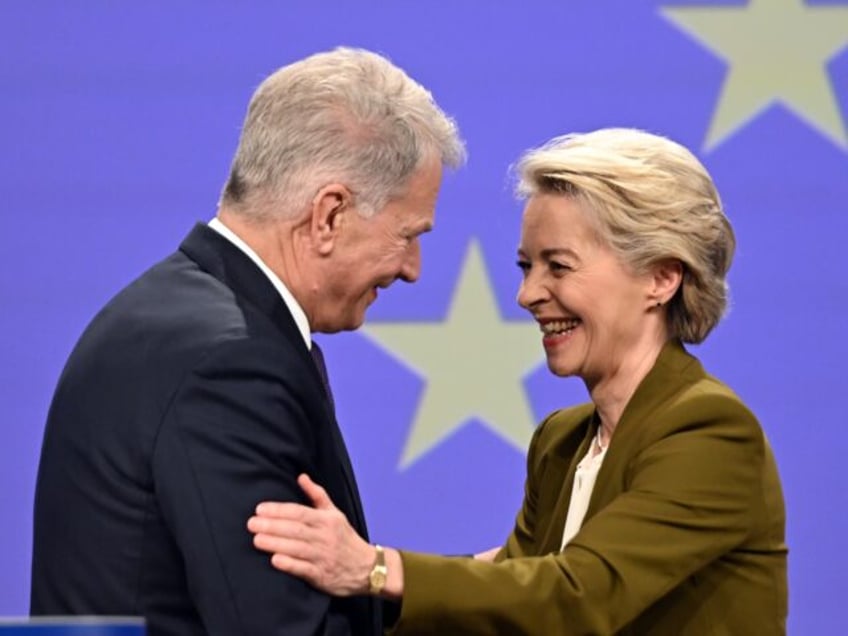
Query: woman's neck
(612, 393)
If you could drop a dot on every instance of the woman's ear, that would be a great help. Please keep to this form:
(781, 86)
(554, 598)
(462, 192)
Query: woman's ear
(328, 209)
(666, 278)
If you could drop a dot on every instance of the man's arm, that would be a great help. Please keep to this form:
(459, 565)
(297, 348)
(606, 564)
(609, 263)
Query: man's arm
(235, 434)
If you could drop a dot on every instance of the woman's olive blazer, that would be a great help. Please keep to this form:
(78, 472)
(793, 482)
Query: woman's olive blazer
(684, 533)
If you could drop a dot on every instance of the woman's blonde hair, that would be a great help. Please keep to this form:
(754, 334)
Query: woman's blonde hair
(650, 200)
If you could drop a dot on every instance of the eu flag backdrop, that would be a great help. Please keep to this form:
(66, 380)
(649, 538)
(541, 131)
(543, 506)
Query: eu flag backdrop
(119, 120)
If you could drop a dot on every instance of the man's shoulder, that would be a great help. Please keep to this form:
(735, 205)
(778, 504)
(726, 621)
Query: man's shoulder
(178, 299)
(171, 319)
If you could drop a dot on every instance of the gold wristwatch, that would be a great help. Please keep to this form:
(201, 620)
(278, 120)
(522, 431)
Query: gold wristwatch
(377, 577)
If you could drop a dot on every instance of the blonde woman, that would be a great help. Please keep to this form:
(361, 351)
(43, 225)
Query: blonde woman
(656, 507)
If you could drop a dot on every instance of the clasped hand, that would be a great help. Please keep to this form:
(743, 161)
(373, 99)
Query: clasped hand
(316, 544)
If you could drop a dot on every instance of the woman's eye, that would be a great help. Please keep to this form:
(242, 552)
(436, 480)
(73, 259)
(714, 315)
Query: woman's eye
(524, 266)
(559, 267)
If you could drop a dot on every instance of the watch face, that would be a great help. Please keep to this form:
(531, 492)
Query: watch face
(378, 579)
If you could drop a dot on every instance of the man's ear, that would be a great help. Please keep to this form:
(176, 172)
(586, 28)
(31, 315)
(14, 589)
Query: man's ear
(328, 211)
(666, 277)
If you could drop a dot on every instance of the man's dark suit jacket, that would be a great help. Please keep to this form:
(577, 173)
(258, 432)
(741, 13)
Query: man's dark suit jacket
(190, 398)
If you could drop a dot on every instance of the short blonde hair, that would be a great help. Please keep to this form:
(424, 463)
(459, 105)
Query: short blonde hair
(651, 200)
(346, 115)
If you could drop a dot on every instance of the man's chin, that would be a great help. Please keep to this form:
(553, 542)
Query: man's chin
(341, 326)
(351, 320)
(355, 322)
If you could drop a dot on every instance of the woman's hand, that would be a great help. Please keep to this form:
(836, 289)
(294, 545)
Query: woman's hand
(315, 544)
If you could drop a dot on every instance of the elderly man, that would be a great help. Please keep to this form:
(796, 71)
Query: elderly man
(197, 391)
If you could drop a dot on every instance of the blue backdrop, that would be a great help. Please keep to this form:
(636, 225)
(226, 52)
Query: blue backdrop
(118, 123)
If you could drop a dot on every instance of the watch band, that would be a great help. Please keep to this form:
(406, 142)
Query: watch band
(379, 572)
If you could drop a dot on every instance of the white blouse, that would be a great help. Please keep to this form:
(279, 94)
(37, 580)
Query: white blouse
(581, 491)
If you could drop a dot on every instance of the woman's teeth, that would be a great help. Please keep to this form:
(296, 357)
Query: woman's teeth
(559, 326)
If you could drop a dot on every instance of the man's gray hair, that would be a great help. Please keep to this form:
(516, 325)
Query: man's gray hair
(346, 115)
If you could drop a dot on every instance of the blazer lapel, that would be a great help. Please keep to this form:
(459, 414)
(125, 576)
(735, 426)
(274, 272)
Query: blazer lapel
(562, 477)
(674, 368)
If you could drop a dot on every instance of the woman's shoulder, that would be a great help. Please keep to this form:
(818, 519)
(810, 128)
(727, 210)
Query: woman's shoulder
(702, 408)
(681, 390)
(711, 398)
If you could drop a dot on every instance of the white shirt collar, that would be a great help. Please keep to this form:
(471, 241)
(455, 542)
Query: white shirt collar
(294, 307)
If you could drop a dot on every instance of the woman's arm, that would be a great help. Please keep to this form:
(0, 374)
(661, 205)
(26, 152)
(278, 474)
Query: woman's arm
(319, 545)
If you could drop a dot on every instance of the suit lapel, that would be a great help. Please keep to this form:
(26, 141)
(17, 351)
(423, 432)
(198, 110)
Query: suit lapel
(347, 471)
(226, 262)
(219, 257)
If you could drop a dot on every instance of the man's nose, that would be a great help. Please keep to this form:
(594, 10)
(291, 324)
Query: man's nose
(411, 268)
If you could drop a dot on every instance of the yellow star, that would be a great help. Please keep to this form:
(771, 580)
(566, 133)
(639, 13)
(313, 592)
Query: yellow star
(776, 50)
(473, 364)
